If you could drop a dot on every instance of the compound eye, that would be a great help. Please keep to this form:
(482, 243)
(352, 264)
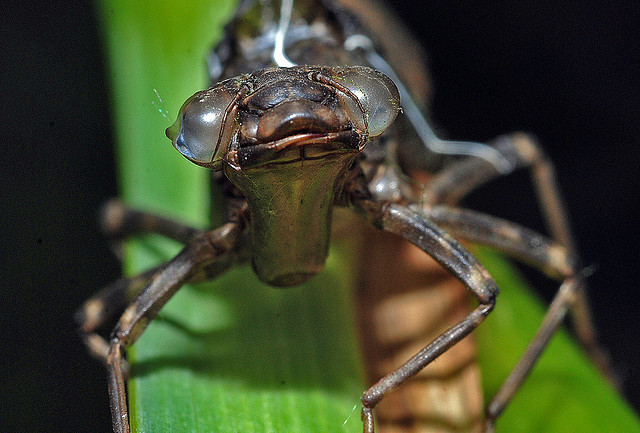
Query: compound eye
(198, 131)
(374, 102)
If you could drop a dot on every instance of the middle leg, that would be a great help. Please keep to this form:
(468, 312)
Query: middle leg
(457, 180)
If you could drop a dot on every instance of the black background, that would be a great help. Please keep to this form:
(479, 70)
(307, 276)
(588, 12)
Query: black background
(566, 71)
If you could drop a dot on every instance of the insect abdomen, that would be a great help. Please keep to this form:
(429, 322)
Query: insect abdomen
(405, 301)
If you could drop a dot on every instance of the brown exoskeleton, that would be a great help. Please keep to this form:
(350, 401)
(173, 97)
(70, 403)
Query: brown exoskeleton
(293, 143)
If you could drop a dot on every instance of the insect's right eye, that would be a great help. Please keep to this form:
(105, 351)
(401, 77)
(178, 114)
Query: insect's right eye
(199, 129)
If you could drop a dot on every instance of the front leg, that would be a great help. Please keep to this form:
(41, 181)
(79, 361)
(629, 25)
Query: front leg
(530, 247)
(201, 252)
(423, 233)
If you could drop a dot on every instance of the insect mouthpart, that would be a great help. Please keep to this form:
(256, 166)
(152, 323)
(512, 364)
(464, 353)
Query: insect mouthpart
(299, 130)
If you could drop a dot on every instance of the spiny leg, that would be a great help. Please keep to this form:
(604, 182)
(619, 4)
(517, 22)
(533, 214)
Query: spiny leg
(200, 253)
(550, 324)
(457, 180)
(119, 221)
(525, 244)
(106, 304)
(460, 178)
(423, 233)
(531, 247)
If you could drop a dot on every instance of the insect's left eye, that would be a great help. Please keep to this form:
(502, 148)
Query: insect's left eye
(374, 102)
(198, 131)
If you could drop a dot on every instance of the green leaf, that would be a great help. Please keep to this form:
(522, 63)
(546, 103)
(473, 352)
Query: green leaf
(564, 392)
(235, 355)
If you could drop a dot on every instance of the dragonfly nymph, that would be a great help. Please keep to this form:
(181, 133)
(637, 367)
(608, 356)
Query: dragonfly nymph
(289, 144)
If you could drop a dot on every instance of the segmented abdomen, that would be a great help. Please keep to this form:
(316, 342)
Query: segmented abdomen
(405, 300)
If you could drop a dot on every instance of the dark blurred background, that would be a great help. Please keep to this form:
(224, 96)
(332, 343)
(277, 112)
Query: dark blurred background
(566, 71)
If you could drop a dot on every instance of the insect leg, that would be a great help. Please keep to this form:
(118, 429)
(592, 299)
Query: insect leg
(459, 179)
(120, 221)
(525, 244)
(553, 319)
(106, 304)
(412, 226)
(530, 247)
(200, 253)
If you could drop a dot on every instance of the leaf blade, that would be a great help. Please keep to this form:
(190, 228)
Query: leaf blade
(564, 390)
